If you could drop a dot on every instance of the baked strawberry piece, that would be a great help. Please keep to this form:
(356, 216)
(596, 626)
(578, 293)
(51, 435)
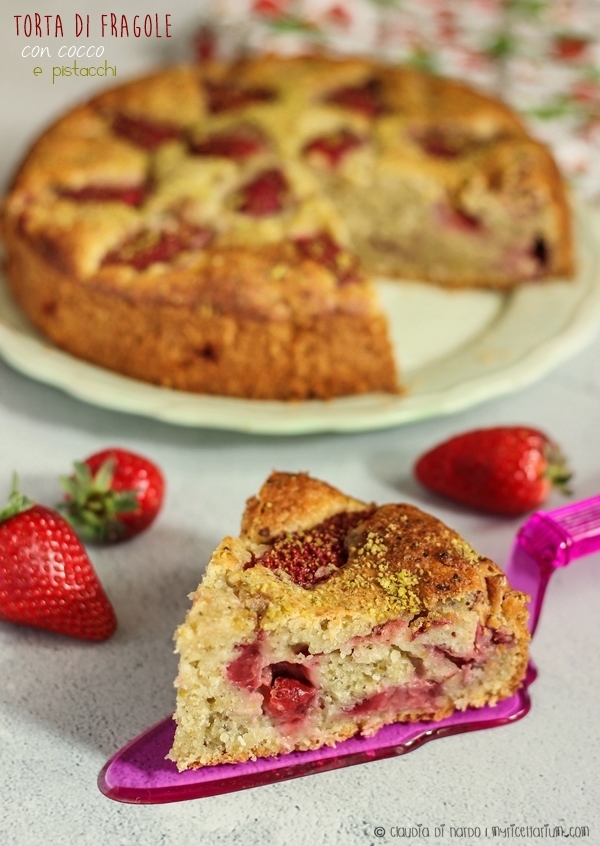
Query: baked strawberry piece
(365, 98)
(226, 96)
(144, 133)
(328, 617)
(152, 246)
(265, 194)
(131, 196)
(322, 249)
(237, 143)
(446, 143)
(332, 148)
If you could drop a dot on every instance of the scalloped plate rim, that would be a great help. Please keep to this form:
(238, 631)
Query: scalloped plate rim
(38, 359)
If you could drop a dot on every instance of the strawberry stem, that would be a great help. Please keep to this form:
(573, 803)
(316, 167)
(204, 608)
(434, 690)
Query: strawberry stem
(17, 502)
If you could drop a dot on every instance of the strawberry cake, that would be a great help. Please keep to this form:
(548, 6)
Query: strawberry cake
(213, 228)
(329, 617)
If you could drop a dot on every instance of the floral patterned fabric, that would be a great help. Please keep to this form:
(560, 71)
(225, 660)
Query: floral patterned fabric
(541, 56)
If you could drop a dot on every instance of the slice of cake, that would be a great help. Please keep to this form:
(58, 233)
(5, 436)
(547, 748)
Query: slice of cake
(329, 616)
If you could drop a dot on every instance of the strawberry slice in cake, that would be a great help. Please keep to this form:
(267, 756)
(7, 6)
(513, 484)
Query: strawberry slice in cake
(329, 617)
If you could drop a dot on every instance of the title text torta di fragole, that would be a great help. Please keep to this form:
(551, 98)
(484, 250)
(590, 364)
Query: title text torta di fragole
(108, 25)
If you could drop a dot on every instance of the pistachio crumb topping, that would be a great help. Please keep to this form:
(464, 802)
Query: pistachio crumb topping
(372, 546)
(464, 548)
(279, 271)
(355, 582)
(398, 585)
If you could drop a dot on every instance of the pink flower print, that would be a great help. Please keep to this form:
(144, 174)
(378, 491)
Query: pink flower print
(590, 129)
(586, 91)
(446, 25)
(474, 59)
(204, 44)
(339, 16)
(568, 48)
(269, 8)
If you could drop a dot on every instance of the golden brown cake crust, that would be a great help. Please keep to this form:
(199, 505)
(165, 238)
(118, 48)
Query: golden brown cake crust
(398, 557)
(128, 206)
(290, 503)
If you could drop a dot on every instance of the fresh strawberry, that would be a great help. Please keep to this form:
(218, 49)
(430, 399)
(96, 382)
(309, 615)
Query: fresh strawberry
(46, 578)
(504, 470)
(113, 495)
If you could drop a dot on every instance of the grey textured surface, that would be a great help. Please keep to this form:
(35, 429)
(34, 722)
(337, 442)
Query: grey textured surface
(65, 706)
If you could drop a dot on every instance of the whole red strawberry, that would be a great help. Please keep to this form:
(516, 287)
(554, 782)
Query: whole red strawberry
(113, 495)
(46, 578)
(504, 470)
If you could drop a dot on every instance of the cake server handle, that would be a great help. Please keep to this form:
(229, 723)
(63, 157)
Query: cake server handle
(549, 540)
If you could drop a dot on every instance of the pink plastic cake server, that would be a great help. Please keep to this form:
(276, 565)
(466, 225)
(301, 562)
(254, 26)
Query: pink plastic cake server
(140, 774)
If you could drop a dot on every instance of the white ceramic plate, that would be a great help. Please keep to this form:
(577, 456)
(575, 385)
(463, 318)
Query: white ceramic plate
(455, 349)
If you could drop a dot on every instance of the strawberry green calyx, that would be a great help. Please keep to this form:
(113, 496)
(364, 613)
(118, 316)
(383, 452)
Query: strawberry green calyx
(17, 502)
(92, 506)
(557, 472)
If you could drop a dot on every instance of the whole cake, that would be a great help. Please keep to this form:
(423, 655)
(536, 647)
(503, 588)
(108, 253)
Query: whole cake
(209, 228)
(329, 616)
